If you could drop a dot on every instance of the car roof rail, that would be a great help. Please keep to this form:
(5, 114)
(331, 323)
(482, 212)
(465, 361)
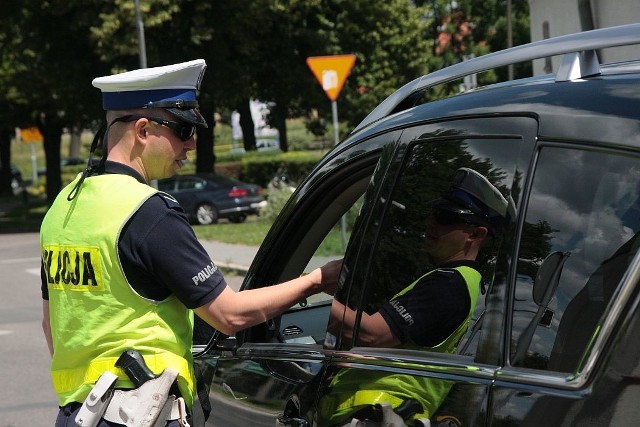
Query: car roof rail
(580, 61)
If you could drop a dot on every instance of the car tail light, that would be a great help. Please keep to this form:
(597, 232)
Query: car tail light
(237, 192)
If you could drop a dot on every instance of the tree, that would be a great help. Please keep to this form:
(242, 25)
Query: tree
(48, 55)
(255, 49)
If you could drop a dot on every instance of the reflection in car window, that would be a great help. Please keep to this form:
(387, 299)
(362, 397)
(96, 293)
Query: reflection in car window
(428, 169)
(424, 278)
(580, 232)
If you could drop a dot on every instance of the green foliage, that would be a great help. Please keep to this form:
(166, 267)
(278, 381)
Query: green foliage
(51, 50)
(317, 127)
(276, 201)
(296, 165)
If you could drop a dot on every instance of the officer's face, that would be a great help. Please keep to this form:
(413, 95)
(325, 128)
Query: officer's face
(447, 242)
(168, 150)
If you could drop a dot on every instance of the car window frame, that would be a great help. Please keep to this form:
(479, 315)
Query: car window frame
(290, 231)
(481, 127)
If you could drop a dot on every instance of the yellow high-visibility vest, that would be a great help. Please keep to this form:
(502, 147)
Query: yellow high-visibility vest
(95, 314)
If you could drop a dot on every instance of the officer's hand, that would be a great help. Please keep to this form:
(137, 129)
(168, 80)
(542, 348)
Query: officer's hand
(330, 274)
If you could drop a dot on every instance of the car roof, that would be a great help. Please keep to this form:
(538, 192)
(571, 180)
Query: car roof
(558, 101)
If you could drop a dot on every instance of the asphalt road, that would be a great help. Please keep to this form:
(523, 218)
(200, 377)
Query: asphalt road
(26, 393)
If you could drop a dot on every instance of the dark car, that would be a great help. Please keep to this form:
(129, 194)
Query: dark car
(554, 338)
(207, 198)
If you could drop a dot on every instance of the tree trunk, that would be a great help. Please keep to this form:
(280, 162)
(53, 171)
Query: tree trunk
(205, 155)
(75, 143)
(5, 162)
(247, 125)
(278, 117)
(52, 133)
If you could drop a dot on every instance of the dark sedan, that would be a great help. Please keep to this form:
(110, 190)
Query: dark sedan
(207, 198)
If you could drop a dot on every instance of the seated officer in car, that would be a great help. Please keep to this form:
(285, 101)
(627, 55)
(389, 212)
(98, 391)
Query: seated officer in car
(432, 313)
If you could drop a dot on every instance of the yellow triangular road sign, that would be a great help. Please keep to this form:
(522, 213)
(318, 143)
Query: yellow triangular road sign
(331, 72)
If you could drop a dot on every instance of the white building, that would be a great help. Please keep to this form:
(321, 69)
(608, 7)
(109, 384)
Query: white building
(550, 18)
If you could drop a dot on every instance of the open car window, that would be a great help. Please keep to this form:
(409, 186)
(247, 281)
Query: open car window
(396, 230)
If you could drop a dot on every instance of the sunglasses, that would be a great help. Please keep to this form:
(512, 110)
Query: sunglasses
(182, 130)
(448, 218)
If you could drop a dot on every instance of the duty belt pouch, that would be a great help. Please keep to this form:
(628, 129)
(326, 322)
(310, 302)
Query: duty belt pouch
(97, 401)
(145, 406)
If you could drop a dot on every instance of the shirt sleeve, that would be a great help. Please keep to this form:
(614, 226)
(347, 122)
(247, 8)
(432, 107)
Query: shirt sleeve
(161, 255)
(431, 311)
(44, 288)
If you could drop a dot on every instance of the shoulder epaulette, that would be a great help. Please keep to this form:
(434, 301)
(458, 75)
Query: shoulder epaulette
(170, 201)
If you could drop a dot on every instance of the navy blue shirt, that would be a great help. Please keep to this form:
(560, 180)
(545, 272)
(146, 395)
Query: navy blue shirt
(160, 254)
(433, 309)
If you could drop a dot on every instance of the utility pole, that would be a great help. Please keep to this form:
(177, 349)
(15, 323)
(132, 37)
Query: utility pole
(509, 36)
(141, 42)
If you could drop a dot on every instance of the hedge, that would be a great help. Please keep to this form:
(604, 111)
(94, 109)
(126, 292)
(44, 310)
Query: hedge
(260, 169)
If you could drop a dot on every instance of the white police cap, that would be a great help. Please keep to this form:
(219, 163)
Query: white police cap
(172, 87)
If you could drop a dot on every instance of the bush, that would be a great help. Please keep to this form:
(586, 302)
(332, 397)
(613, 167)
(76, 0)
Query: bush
(276, 201)
(297, 165)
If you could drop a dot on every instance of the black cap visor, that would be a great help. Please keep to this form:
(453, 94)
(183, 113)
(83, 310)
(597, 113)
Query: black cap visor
(191, 116)
(445, 212)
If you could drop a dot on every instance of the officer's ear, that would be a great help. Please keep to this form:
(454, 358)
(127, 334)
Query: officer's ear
(141, 128)
(479, 233)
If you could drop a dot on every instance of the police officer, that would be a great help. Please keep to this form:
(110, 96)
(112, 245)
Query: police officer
(432, 313)
(121, 266)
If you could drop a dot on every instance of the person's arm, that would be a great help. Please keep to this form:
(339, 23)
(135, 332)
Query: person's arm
(233, 311)
(46, 325)
(374, 330)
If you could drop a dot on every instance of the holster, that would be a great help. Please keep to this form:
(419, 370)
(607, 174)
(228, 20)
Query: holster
(146, 406)
(96, 403)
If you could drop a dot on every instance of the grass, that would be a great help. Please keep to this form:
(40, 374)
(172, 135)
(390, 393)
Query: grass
(250, 233)
(253, 232)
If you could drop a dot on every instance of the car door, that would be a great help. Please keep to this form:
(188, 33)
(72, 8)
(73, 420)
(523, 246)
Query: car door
(572, 352)
(270, 374)
(281, 371)
(385, 255)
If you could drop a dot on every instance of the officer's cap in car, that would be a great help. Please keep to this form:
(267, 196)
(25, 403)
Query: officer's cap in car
(471, 196)
(172, 87)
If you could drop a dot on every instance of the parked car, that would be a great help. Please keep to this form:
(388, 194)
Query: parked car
(207, 198)
(554, 338)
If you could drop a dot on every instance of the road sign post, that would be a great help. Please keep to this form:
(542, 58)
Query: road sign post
(31, 136)
(331, 72)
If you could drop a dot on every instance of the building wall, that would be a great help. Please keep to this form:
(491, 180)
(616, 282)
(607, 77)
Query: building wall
(550, 18)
